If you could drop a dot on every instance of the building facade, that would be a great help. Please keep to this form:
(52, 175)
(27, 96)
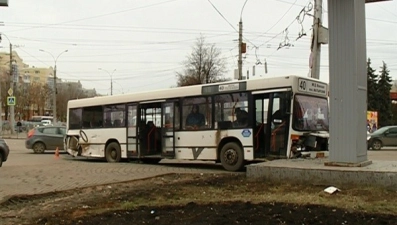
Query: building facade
(33, 88)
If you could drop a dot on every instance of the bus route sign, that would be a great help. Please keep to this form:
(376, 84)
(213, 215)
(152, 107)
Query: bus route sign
(312, 87)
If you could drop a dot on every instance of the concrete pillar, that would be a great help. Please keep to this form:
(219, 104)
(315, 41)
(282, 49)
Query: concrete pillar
(348, 83)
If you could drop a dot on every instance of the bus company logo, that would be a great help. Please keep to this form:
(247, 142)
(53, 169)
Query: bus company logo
(246, 133)
(197, 152)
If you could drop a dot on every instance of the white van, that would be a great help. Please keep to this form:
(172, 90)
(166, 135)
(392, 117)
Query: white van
(46, 122)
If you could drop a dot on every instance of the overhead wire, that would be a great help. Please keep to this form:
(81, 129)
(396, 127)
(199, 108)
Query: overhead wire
(222, 15)
(228, 21)
(278, 21)
(97, 16)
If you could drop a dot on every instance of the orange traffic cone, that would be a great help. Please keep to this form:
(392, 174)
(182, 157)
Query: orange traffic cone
(57, 153)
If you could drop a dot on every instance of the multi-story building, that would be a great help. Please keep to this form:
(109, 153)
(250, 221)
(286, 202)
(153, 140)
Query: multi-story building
(34, 88)
(6, 78)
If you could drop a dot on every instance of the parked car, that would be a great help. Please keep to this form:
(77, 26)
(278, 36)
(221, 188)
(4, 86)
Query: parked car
(4, 151)
(44, 138)
(383, 137)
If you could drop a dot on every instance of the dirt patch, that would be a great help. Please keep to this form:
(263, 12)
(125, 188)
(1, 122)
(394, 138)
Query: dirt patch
(235, 213)
(203, 199)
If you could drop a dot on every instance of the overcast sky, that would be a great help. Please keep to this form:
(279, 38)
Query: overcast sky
(146, 41)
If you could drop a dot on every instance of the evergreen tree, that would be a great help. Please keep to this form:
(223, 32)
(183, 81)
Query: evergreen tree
(372, 94)
(384, 86)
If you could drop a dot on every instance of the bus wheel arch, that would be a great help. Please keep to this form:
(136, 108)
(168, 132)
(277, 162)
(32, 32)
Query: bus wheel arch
(231, 154)
(112, 151)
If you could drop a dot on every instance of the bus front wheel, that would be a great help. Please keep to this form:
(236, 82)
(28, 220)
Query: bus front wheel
(113, 152)
(232, 157)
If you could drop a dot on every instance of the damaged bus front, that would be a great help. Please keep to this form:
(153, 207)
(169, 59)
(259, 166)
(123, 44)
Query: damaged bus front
(310, 126)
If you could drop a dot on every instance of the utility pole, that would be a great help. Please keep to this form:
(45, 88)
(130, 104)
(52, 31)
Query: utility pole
(240, 49)
(241, 46)
(12, 112)
(315, 56)
(54, 99)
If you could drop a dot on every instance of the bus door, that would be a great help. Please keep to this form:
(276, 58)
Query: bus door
(271, 129)
(132, 131)
(149, 129)
(169, 117)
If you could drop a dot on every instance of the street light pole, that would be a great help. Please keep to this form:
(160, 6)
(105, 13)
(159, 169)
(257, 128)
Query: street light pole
(54, 109)
(111, 79)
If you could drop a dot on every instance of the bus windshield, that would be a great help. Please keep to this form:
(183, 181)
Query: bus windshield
(310, 113)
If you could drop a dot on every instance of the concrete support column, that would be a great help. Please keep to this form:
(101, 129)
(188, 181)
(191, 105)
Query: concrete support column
(348, 83)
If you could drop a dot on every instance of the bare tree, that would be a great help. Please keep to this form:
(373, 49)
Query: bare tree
(203, 65)
(37, 94)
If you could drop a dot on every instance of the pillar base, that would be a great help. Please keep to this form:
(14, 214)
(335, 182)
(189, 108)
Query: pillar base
(342, 164)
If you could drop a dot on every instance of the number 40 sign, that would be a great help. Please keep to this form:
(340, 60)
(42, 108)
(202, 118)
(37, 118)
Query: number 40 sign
(312, 87)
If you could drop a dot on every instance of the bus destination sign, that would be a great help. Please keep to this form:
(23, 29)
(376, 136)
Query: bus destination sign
(222, 88)
(312, 87)
(229, 87)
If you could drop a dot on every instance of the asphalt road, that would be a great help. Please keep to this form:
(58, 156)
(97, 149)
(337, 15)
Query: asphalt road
(29, 173)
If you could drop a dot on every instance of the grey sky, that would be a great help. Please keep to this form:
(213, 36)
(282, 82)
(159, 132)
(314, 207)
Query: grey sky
(146, 40)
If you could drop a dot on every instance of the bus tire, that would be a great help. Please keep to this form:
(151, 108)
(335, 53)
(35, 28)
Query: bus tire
(113, 152)
(232, 157)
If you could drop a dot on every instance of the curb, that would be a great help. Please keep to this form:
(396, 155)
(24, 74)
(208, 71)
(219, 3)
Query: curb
(8, 137)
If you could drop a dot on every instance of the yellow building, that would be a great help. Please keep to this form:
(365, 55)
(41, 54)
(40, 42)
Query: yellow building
(25, 75)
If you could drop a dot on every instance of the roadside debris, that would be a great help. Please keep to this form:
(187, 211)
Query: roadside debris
(331, 190)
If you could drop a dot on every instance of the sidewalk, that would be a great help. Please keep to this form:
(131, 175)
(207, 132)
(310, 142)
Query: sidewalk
(8, 135)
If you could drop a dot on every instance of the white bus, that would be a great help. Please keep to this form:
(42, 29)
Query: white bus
(235, 122)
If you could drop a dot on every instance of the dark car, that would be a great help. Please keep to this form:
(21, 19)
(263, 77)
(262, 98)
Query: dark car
(44, 138)
(384, 137)
(4, 151)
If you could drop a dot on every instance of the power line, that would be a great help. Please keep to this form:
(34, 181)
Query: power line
(288, 2)
(229, 22)
(392, 13)
(98, 16)
(293, 4)
(286, 43)
(222, 16)
(87, 41)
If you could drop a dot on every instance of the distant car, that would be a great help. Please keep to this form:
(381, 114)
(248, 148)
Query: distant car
(46, 122)
(4, 151)
(44, 138)
(383, 137)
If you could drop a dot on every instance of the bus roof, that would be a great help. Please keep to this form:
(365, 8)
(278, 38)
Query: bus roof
(194, 90)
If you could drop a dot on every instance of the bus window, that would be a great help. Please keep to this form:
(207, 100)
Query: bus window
(113, 116)
(75, 117)
(92, 117)
(197, 113)
(231, 110)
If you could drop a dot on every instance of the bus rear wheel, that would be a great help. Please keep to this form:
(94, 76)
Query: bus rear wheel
(232, 157)
(113, 152)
